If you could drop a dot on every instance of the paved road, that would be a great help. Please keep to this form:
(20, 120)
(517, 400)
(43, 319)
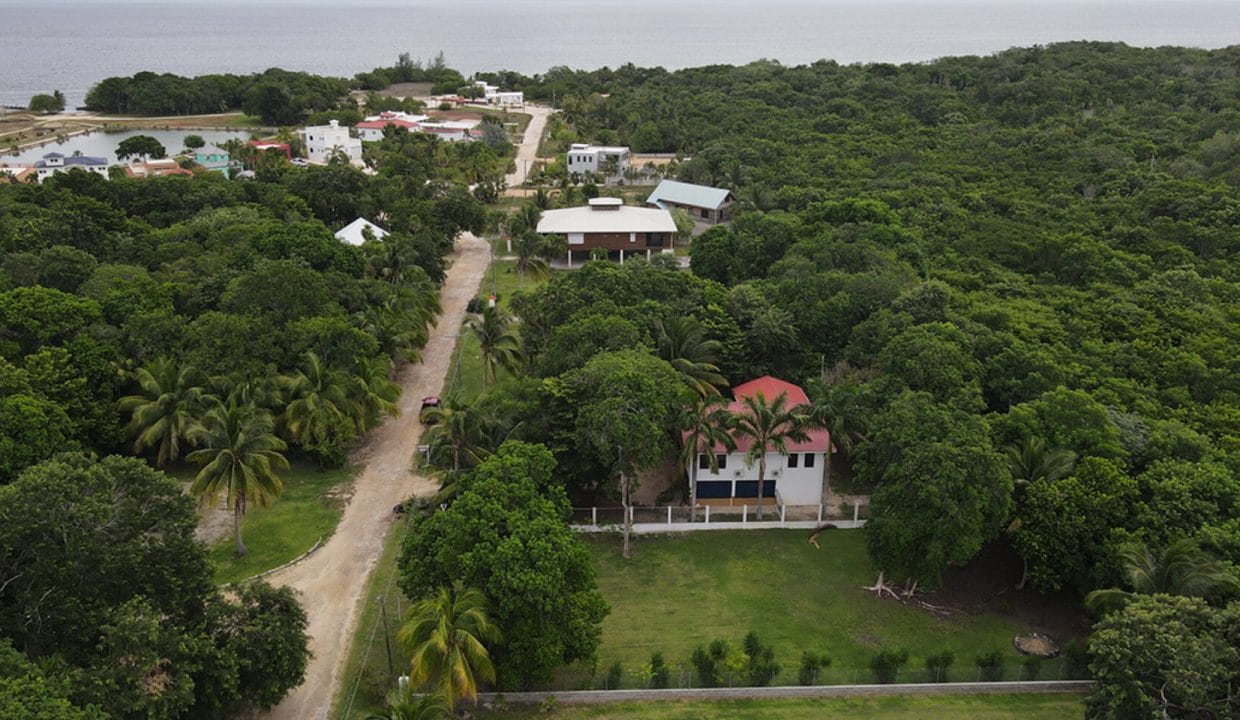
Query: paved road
(331, 581)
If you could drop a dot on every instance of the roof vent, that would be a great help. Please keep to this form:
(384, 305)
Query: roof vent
(606, 203)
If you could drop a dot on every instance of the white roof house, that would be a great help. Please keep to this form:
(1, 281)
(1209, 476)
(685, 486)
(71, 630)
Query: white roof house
(354, 234)
(609, 225)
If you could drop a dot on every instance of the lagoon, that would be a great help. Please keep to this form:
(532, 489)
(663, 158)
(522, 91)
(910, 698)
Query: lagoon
(103, 144)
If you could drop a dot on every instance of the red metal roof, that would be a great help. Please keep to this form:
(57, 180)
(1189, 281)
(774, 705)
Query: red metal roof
(380, 124)
(771, 388)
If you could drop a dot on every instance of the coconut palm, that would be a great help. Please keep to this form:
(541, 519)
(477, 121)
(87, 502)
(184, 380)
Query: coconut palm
(321, 405)
(529, 249)
(1030, 460)
(374, 393)
(683, 343)
(704, 425)
(405, 704)
(770, 426)
(498, 340)
(454, 433)
(239, 451)
(1181, 569)
(446, 636)
(171, 398)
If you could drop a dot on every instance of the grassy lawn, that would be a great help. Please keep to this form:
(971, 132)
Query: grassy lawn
(679, 592)
(309, 508)
(503, 278)
(974, 707)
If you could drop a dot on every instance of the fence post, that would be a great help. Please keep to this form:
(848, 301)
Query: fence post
(782, 512)
(707, 514)
(594, 516)
(856, 512)
(744, 514)
(669, 514)
(819, 513)
(630, 509)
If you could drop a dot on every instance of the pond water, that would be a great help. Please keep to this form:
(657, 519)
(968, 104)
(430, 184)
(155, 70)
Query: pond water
(103, 144)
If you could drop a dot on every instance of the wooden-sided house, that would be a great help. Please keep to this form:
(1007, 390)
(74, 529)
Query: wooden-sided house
(707, 204)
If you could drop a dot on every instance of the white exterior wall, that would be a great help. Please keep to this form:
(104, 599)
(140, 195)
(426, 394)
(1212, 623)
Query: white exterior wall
(44, 173)
(588, 159)
(322, 139)
(796, 486)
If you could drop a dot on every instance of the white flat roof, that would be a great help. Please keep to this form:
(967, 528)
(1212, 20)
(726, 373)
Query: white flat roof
(589, 220)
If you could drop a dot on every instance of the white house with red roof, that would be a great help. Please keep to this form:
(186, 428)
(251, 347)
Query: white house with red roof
(794, 479)
(371, 129)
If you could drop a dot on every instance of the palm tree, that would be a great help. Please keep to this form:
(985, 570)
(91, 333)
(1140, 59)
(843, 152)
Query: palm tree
(769, 426)
(704, 425)
(500, 344)
(736, 176)
(683, 343)
(447, 636)
(1182, 569)
(454, 430)
(171, 398)
(1030, 460)
(320, 402)
(374, 393)
(405, 704)
(238, 449)
(529, 248)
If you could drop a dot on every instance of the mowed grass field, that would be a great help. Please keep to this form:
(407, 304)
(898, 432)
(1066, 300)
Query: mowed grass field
(684, 591)
(309, 508)
(941, 707)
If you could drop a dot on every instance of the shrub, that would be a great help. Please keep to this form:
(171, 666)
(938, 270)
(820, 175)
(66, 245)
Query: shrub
(611, 678)
(811, 665)
(1032, 666)
(886, 665)
(660, 673)
(445, 106)
(990, 666)
(707, 661)
(1076, 660)
(937, 665)
(762, 666)
(475, 305)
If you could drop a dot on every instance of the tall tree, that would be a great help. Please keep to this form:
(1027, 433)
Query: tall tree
(506, 534)
(239, 452)
(140, 146)
(682, 342)
(1031, 460)
(171, 397)
(374, 393)
(498, 341)
(446, 636)
(627, 402)
(769, 425)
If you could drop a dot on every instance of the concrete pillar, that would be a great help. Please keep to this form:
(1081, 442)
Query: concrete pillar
(647, 253)
(782, 510)
(819, 513)
(669, 514)
(744, 514)
(856, 512)
(622, 257)
(570, 259)
(594, 516)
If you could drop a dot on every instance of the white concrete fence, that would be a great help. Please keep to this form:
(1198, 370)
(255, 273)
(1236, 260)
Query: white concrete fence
(671, 519)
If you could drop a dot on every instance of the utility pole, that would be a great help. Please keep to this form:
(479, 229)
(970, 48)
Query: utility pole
(387, 641)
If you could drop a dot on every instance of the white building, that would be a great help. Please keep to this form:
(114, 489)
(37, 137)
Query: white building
(355, 232)
(583, 158)
(451, 130)
(53, 163)
(371, 129)
(792, 479)
(503, 98)
(323, 141)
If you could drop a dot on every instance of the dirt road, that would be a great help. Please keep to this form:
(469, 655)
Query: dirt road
(527, 151)
(331, 581)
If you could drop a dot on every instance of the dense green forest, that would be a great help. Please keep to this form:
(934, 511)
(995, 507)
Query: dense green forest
(278, 97)
(1010, 284)
(202, 321)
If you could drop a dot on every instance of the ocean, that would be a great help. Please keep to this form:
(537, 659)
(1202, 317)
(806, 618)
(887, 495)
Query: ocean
(69, 45)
